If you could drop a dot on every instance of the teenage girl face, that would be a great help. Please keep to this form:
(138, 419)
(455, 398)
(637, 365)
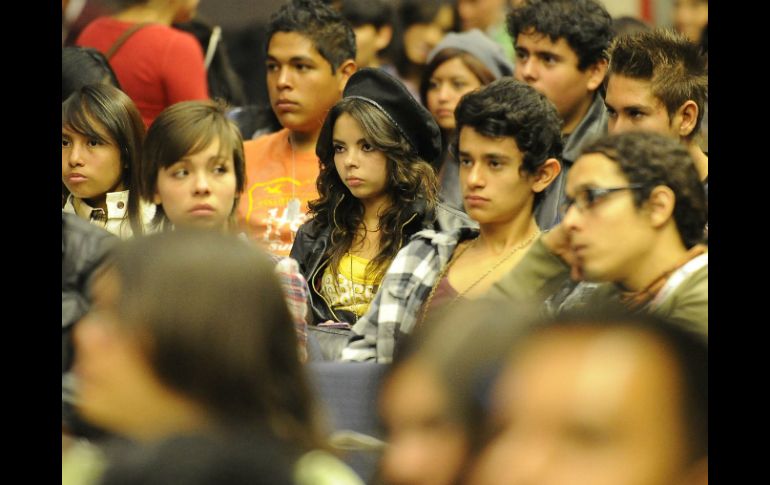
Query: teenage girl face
(90, 166)
(449, 82)
(361, 167)
(199, 190)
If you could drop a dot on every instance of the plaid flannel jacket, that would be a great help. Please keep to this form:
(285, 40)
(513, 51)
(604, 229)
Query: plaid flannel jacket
(403, 290)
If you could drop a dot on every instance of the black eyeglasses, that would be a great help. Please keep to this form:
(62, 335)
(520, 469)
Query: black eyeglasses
(587, 198)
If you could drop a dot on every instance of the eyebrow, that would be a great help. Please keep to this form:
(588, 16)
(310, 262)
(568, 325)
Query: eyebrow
(293, 59)
(495, 155)
(359, 141)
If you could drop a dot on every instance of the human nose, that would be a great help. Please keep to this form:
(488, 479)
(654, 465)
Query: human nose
(444, 92)
(75, 157)
(528, 70)
(475, 176)
(284, 79)
(202, 186)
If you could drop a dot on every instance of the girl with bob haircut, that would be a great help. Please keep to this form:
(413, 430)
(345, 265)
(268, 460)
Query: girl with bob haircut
(102, 134)
(193, 170)
(193, 166)
(376, 188)
(189, 334)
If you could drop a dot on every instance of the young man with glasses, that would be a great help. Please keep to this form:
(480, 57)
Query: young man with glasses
(632, 230)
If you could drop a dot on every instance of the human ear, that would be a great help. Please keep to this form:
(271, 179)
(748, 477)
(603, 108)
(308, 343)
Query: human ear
(661, 204)
(685, 118)
(384, 36)
(596, 72)
(346, 69)
(545, 174)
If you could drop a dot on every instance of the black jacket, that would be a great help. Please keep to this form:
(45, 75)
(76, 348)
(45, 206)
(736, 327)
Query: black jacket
(311, 246)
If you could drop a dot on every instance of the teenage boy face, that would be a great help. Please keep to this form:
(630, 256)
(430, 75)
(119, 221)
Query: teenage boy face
(300, 82)
(631, 106)
(552, 69)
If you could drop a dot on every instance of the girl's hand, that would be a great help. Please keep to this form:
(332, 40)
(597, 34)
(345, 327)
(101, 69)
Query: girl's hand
(558, 241)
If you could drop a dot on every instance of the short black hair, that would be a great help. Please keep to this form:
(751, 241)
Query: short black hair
(510, 108)
(652, 159)
(363, 12)
(584, 24)
(84, 65)
(331, 34)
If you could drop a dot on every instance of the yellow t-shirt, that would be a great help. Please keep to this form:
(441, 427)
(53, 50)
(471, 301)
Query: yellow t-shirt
(354, 289)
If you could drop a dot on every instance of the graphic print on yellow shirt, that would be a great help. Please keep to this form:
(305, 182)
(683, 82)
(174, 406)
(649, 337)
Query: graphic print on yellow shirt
(353, 292)
(279, 185)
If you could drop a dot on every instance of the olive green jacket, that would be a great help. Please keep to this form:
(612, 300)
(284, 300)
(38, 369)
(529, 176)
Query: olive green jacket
(541, 274)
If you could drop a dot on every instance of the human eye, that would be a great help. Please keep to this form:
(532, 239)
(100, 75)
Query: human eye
(636, 114)
(521, 54)
(220, 169)
(93, 142)
(271, 66)
(548, 59)
(611, 112)
(177, 171)
(65, 142)
(302, 67)
(367, 147)
(458, 85)
(432, 84)
(466, 162)
(495, 163)
(591, 196)
(339, 148)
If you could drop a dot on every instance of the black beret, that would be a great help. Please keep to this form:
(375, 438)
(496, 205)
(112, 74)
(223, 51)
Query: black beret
(413, 121)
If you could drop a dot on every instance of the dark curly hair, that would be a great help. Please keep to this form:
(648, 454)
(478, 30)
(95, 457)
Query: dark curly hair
(652, 159)
(331, 34)
(510, 108)
(410, 180)
(584, 24)
(674, 66)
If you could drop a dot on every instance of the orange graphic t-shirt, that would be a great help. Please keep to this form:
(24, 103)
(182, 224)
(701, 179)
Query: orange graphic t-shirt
(278, 188)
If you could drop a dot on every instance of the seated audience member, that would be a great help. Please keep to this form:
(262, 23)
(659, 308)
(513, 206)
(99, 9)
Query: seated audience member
(691, 18)
(193, 171)
(489, 17)
(156, 64)
(560, 51)
(310, 56)
(631, 230)
(377, 188)
(658, 81)
(102, 135)
(507, 144)
(372, 22)
(459, 64)
(84, 247)
(432, 399)
(81, 66)
(421, 24)
(588, 400)
(188, 333)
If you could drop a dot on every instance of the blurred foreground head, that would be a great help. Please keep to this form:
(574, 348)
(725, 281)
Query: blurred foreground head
(594, 400)
(189, 331)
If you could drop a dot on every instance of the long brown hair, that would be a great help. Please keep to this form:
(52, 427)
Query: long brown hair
(209, 314)
(410, 179)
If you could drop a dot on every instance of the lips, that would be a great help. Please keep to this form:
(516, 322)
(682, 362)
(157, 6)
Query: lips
(76, 178)
(202, 209)
(353, 181)
(444, 113)
(475, 200)
(286, 105)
